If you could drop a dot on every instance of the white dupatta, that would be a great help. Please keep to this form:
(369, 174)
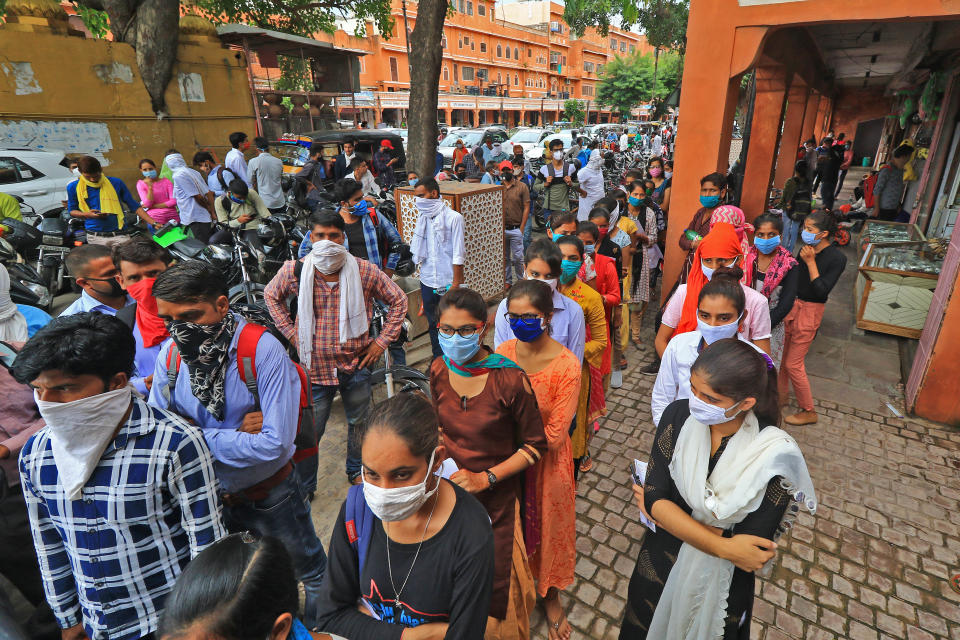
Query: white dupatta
(694, 600)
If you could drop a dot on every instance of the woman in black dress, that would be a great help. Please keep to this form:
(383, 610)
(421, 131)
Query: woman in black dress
(722, 484)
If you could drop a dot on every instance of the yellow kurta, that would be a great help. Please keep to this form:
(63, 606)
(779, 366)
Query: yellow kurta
(592, 304)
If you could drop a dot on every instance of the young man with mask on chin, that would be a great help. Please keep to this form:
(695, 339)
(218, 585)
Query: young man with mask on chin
(139, 262)
(438, 249)
(335, 293)
(121, 495)
(91, 266)
(251, 437)
(557, 181)
(516, 208)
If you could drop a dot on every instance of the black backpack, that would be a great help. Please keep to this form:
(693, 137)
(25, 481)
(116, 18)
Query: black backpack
(802, 201)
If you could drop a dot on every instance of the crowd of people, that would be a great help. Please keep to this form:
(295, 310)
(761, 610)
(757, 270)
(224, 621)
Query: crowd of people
(161, 449)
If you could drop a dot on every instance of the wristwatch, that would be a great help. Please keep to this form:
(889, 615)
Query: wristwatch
(491, 478)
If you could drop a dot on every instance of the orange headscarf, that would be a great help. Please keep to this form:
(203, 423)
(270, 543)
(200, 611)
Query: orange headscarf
(721, 242)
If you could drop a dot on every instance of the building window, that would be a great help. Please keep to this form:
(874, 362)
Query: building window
(443, 42)
(529, 52)
(499, 51)
(633, 48)
(499, 78)
(460, 43)
(455, 76)
(563, 60)
(469, 8)
(446, 73)
(463, 7)
(507, 52)
(623, 47)
(599, 68)
(516, 53)
(588, 67)
(394, 70)
(516, 80)
(483, 74)
(613, 44)
(466, 39)
(483, 47)
(473, 46)
(481, 9)
(587, 90)
(467, 73)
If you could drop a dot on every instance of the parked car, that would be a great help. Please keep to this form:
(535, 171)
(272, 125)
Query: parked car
(471, 138)
(539, 151)
(39, 177)
(294, 149)
(528, 139)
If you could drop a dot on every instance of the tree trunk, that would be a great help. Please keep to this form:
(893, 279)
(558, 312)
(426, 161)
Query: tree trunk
(151, 27)
(425, 60)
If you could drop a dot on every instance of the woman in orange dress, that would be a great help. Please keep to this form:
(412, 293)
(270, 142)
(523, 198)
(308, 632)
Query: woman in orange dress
(554, 373)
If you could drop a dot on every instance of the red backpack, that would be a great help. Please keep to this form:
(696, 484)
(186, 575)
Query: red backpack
(305, 441)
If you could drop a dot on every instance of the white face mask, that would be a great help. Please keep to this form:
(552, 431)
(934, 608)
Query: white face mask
(496, 148)
(713, 333)
(80, 432)
(398, 503)
(558, 155)
(328, 256)
(551, 282)
(709, 414)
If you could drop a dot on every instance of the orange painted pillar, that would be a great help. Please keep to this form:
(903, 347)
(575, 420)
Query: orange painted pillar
(810, 117)
(791, 138)
(764, 133)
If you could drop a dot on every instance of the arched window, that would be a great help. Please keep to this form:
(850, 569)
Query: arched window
(499, 78)
(499, 51)
(516, 53)
(446, 73)
(516, 80)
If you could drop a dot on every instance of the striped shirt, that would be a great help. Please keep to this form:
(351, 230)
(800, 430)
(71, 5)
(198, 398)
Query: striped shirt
(110, 558)
(329, 354)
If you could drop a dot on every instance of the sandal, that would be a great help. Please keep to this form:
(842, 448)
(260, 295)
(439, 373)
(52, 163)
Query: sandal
(586, 463)
(555, 626)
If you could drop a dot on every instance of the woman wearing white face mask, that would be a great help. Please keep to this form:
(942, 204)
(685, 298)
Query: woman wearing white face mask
(721, 313)
(723, 483)
(416, 550)
(719, 249)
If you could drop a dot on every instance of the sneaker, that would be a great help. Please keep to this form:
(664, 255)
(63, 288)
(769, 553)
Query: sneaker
(651, 369)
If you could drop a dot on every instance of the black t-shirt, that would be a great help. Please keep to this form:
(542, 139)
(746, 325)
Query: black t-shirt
(451, 580)
(356, 241)
(830, 263)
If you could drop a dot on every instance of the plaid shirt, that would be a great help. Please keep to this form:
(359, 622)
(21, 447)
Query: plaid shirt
(110, 558)
(371, 240)
(329, 354)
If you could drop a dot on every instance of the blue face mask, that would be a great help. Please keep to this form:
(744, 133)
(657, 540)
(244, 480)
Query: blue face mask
(766, 246)
(569, 270)
(589, 248)
(528, 330)
(414, 182)
(709, 201)
(635, 201)
(236, 199)
(458, 348)
(809, 238)
(360, 209)
(150, 173)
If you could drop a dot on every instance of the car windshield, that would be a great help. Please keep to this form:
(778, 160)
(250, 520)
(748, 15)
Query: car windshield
(566, 139)
(530, 135)
(470, 139)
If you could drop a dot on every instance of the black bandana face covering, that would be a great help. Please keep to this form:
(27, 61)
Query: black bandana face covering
(206, 348)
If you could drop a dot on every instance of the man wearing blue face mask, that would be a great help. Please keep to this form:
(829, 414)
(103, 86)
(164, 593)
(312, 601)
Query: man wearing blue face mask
(239, 208)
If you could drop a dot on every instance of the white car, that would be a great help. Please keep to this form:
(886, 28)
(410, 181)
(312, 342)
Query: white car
(538, 153)
(471, 138)
(39, 177)
(528, 139)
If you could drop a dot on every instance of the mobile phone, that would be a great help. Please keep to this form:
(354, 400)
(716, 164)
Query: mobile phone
(632, 469)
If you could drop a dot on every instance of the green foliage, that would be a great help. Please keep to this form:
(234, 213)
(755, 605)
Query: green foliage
(294, 75)
(628, 82)
(96, 21)
(664, 22)
(299, 17)
(573, 111)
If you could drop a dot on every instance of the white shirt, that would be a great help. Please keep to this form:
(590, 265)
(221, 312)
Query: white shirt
(368, 184)
(673, 379)
(186, 184)
(436, 271)
(592, 182)
(214, 182)
(237, 165)
(624, 141)
(265, 171)
(657, 143)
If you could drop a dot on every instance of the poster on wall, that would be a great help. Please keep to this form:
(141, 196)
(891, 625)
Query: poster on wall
(91, 138)
(191, 87)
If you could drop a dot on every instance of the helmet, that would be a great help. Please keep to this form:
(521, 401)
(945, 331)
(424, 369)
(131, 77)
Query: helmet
(405, 266)
(271, 232)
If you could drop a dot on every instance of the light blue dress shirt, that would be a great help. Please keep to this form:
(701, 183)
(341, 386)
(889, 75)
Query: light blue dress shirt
(241, 460)
(87, 302)
(144, 362)
(566, 326)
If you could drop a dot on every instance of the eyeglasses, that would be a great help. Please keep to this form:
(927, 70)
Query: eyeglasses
(466, 331)
(522, 316)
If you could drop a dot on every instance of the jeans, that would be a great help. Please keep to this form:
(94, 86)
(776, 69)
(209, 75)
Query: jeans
(791, 229)
(512, 255)
(828, 194)
(430, 300)
(840, 179)
(354, 390)
(528, 229)
(285, 514)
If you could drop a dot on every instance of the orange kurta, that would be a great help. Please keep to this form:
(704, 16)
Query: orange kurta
(557, 388)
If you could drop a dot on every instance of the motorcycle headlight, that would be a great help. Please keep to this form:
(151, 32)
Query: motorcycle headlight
(42, 292)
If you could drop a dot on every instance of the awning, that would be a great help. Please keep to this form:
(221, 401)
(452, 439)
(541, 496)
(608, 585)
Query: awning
(265, 41)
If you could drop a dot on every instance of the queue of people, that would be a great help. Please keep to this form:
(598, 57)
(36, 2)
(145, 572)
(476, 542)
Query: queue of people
(181, 438)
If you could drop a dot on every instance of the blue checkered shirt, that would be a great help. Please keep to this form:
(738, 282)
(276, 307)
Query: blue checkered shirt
(110, 558)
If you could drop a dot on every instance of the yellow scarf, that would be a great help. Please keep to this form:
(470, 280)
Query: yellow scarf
(109, 202)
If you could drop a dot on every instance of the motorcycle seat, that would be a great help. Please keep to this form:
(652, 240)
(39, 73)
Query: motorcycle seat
(191, 247)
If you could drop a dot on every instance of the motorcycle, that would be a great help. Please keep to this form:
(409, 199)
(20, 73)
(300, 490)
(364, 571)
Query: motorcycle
(26, 285)
(61, 233)
(280, 237)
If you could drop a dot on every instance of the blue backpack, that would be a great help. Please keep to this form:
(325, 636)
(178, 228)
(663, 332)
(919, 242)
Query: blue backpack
(359, 520)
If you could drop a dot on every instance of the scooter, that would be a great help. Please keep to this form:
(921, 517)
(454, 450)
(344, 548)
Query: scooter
(26, 285)
(61, 233)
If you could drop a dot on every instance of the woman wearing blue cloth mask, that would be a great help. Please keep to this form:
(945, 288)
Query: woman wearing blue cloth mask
(771, 270)
(240, 207)
(554, 372)
(721, 313)
(493, 431)
(713, 188)
(240, 588)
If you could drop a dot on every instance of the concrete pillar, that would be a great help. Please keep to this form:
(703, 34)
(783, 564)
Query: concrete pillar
(764, 133)
(476, 118)
(810, 117)
(791, 138)
(448, 115)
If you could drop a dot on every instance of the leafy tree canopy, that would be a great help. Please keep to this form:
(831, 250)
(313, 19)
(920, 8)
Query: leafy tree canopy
(573, 111)
(664, 22)
(627, 82)
(300, 17)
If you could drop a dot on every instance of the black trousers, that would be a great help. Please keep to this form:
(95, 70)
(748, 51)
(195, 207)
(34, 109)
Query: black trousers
(201, 231)
(888, 214)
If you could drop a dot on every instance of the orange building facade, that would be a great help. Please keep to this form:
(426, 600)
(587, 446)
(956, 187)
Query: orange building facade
(511, 64)
(882, 72)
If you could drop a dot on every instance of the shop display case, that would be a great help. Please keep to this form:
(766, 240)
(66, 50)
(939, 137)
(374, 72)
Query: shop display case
(895, 286)
(482, 208)
(880, 231)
